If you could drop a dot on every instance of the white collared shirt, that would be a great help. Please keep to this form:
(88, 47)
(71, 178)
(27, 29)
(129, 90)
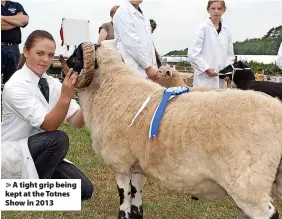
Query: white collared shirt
(279, 57)
(24, 106)
(132, 31)
(210, 50)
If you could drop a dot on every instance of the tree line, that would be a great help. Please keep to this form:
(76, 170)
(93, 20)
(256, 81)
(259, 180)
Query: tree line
(267, 45)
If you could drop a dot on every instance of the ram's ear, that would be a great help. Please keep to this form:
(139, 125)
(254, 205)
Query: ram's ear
(168, 73)
(165, 71)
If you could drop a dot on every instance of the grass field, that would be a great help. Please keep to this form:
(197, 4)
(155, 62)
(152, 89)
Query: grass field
(157, 203)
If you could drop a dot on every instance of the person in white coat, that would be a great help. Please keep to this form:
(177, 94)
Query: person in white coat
(34, 106)
(132, 31)
(212, 49)
(279, 57)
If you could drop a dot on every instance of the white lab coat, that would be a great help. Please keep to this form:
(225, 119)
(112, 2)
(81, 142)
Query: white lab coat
(279, 57)
(24, 110)
(210, 50)
(132, 31)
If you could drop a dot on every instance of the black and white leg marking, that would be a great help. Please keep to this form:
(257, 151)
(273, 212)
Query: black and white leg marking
(137, 184)
(124, 189)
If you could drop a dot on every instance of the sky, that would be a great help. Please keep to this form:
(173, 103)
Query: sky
(177, 20)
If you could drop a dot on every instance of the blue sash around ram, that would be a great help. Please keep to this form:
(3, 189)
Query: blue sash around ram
(169, 93)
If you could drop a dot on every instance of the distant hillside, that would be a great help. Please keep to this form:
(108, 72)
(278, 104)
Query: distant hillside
(267, 45)
(177, 53)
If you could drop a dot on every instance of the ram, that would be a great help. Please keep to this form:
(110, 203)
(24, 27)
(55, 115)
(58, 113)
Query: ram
(195, 151)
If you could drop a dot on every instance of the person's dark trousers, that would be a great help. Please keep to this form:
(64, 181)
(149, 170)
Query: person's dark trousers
(10, 57)
(48, 149)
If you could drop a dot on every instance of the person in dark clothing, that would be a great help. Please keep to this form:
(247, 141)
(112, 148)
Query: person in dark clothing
(13, 17)
(158, 58)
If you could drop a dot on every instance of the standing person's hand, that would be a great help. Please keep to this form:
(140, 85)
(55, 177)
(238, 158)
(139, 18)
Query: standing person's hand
(227, 79)
(152, 73)
(68, 89)
(211, 72)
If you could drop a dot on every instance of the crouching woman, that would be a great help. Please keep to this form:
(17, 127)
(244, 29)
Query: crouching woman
(34, 106)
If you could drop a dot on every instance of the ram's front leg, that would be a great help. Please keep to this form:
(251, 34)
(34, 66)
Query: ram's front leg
(124, 189)
(137, 184)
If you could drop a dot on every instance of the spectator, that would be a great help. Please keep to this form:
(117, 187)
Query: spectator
(212, 49)
(158, 58)
(13, 17)
(106, 31)
(134, 40)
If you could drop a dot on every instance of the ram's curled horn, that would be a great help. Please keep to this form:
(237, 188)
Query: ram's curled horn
(85, 77)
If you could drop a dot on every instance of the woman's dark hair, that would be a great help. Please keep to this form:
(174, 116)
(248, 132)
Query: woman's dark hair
(153, 23)
(37, 34)
(113, 10)
(212, 1)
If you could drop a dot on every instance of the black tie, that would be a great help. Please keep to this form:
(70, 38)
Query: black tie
(43, 85)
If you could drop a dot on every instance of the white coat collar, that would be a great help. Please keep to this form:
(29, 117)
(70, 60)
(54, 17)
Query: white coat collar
(132, 9)
(211, 23)
(29, 75)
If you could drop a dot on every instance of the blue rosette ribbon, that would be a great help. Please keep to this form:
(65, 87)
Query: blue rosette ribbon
(169, 93)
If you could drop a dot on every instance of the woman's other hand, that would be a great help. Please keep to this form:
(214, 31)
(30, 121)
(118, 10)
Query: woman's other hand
(210, 72)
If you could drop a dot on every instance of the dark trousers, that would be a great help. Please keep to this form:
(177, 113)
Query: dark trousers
(10, 57)
(48, 149)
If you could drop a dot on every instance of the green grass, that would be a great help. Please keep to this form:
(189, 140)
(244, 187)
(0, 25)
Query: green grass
(157, 203)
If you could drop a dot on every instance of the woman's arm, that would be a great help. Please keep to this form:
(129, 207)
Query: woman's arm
(194, 55)
(56, 116)
(103, 35)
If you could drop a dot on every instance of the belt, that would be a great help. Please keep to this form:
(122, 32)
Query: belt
(8, 44)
